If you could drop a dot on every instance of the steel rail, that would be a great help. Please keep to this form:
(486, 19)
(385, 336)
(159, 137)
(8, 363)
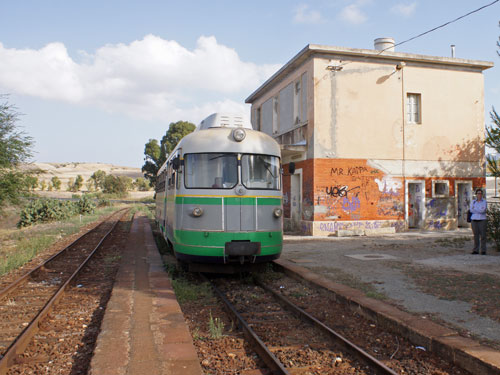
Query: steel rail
(22, 341)
(9, 288)
(266, 355)
(378, 366)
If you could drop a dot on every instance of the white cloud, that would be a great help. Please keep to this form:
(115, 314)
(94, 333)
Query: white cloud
(353, 14)
(150, 78)
(406, 10)
(305, 15)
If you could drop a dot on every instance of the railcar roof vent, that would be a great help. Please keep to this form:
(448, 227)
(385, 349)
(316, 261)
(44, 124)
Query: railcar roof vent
(224, 120)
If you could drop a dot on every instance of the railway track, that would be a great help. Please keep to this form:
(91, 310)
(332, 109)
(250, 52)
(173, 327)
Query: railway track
(310, 348)
(27, 301)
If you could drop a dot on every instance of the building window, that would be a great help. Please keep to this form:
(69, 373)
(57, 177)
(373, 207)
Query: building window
(414, 108)
(257, 119)
(296, 103)
(440, 189)
(276, 108)
(300, 100)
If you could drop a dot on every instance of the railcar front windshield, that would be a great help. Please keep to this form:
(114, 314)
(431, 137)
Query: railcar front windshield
(213, 171)
(260, 172)
(220, 171)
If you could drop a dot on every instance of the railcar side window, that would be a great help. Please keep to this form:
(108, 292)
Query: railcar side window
(212, 171)
(260, 172)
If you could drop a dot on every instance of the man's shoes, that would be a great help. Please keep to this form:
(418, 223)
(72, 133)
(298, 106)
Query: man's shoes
(474, 252)
(483, 253)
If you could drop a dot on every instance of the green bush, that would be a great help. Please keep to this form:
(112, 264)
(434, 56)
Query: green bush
(85, 205)
(117, 185)
(103, 202)
(45, 210)
(493, 224)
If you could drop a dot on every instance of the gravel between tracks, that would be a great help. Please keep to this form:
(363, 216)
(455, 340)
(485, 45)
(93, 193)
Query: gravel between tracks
(230, 355)
(65, 342)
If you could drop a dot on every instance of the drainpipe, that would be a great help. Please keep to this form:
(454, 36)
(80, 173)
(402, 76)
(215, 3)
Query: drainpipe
(400, 67)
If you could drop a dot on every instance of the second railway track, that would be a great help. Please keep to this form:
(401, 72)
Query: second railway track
(298, 346)
(25, 302)
(309, 347)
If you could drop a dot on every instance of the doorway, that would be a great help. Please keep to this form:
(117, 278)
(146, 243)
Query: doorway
(296, 199)
(415, 208)
(464, 198)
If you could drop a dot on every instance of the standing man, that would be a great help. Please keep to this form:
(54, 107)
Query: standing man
(478, 209)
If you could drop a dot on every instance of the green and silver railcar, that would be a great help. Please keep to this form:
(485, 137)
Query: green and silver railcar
(219, 195)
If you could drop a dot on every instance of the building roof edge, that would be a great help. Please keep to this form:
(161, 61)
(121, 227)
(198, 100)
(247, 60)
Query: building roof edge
(312, 49)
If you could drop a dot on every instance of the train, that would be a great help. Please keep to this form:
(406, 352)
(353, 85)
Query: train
(219, 199)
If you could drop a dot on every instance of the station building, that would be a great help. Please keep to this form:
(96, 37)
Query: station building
(381, 140)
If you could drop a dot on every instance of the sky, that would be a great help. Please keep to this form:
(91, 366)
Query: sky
(95, 80)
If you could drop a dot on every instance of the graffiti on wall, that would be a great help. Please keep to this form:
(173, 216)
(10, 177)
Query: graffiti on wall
(346, 189)
(330, 227)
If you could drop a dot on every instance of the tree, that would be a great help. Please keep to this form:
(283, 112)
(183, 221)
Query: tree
(493, 142)
(71, 184)
(156, 154)
(56, 182)
(31, 182)
(15, 148)
(98, 179)
(43, 185)
(141, 184)
(152, 160)
(175, 133)
(90, 185)
(78, 182)
(116, 185)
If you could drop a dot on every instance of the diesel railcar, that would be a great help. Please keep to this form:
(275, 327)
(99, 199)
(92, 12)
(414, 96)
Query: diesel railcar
(219, 196)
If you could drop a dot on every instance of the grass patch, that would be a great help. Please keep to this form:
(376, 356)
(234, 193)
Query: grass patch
(19, 246)
(187, 291)
(147, 209)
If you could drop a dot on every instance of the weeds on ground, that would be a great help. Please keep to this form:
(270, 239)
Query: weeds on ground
(216, 327)
(196, 334)
(147, 209)
(186, 291)
(25, 244)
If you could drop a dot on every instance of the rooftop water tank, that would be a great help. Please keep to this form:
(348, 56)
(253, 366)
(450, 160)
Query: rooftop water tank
(384, 44)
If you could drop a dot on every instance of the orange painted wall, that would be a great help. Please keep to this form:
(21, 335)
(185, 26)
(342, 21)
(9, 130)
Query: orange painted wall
(349, 189)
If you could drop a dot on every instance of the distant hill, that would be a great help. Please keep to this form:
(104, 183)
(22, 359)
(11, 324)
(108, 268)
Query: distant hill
(65, 171)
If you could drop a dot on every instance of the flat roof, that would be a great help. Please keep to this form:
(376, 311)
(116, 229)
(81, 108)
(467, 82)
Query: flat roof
(316, 49)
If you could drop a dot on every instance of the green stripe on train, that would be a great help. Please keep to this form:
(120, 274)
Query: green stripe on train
(212, 243)
(232, 201)
(191, 237)
(219, 251)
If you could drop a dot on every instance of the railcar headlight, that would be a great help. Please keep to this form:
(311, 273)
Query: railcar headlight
(239, 134)
(197, 211)
(277, 212)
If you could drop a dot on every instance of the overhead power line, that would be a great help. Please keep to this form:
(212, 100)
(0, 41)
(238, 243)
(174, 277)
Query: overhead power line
(443, 25)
